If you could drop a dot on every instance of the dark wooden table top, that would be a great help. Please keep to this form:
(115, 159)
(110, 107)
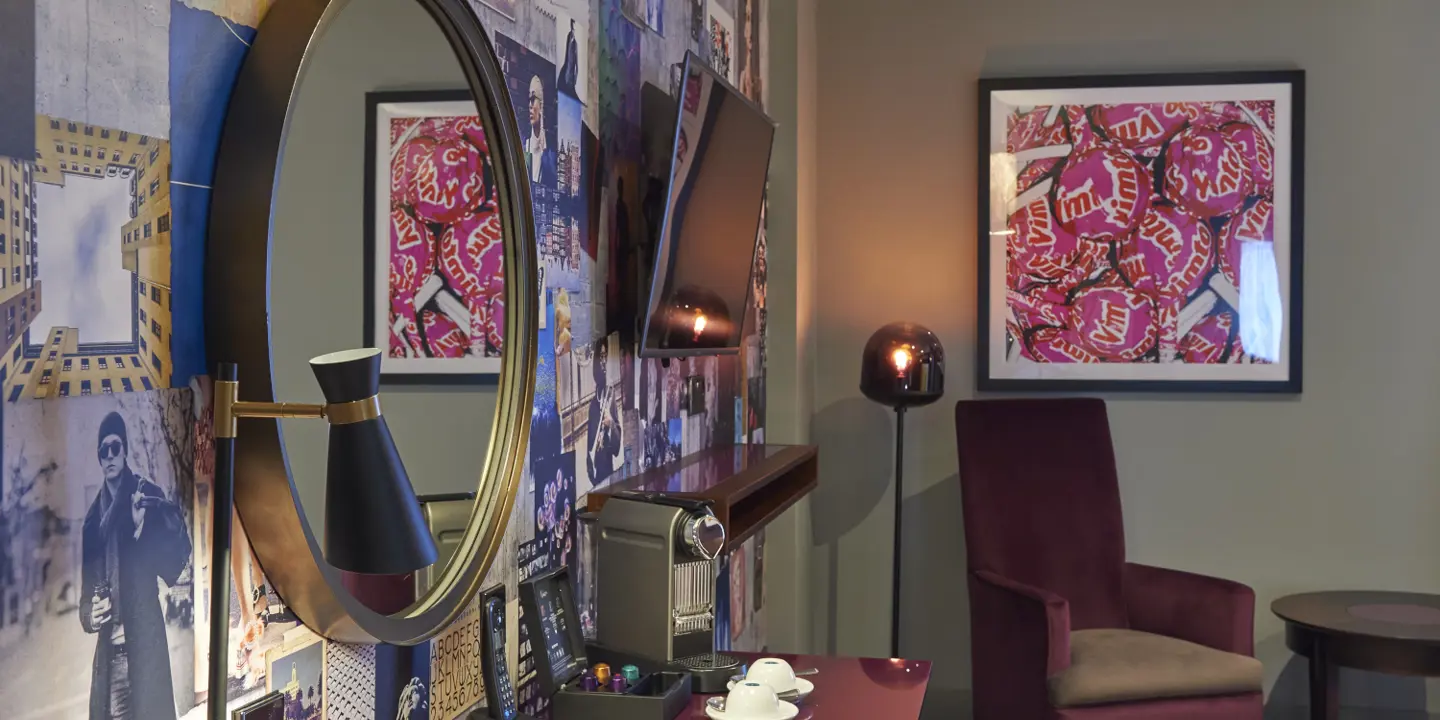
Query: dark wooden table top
(1365, 613)
(747, 485)
(850, 688)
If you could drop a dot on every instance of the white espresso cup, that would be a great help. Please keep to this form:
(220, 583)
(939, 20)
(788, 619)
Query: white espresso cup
(773, 672)
(752, 701)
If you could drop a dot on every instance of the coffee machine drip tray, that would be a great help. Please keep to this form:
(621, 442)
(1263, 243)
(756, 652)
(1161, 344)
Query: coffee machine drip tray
(712, 670)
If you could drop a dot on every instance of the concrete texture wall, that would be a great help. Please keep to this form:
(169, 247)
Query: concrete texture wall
(105, 63)
(1332, 489)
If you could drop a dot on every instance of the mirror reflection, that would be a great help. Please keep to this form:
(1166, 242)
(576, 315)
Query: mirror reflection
(386, 234)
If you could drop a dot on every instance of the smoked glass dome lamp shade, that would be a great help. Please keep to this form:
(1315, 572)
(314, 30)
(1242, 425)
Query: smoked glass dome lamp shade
(903, 366)
(696, 319)
(373, 523)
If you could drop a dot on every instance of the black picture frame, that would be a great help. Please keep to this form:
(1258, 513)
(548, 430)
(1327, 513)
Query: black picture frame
(373, 101)
(1293, 81)
(269, 707)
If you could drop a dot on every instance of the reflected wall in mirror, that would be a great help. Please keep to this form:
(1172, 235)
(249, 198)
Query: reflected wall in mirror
(409, 263)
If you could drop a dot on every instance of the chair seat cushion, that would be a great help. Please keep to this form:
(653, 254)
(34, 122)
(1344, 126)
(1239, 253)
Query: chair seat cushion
(1116, 666)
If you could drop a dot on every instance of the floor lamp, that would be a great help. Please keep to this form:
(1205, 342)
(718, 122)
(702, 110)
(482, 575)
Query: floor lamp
(903, 367)
(373, 523)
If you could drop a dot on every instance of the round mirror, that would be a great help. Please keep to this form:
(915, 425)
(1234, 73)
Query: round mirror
(371, 179)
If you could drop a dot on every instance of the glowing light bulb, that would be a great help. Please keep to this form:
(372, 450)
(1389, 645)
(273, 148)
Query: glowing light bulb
(700, 323)
(901, 358)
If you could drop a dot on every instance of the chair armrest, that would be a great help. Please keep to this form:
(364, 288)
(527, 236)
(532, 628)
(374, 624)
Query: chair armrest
(1208, 611)
(1019, 626)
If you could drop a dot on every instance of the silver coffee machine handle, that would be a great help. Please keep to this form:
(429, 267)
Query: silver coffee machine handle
(702, 536)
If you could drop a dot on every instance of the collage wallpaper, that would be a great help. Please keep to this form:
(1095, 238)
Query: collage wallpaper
(106, 166)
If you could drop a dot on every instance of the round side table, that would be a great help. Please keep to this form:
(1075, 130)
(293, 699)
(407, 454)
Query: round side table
(1389, 632)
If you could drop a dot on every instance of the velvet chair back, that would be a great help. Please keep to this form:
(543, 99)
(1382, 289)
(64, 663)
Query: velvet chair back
(1041, 501)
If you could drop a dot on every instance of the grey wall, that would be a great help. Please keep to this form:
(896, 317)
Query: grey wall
(1334, 489)
(316, 271)
(789, 298)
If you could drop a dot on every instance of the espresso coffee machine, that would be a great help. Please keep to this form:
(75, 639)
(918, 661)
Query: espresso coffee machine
(656, 584)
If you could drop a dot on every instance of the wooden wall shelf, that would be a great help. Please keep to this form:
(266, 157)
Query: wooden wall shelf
(748, 485)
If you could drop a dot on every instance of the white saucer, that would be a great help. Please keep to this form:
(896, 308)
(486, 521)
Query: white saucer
(802, 690)
(788, 711)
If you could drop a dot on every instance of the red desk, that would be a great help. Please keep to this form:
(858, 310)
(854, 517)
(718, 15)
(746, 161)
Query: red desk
(851, 688)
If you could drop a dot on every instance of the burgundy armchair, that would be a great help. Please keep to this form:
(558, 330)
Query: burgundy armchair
(1062, 627)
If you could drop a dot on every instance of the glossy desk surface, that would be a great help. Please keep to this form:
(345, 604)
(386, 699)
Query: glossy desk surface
(851, 688)
(747, 485)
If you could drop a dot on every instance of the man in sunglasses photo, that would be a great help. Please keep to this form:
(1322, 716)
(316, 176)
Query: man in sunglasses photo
(132, 535)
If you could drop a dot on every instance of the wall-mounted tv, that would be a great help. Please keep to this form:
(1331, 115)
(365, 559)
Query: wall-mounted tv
(720, 155)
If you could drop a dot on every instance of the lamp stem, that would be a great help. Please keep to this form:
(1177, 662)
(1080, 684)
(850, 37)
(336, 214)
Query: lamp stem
(222, 506)
(896, 544)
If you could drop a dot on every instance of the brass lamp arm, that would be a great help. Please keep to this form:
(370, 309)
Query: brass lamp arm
(228, 409)
(248, 409)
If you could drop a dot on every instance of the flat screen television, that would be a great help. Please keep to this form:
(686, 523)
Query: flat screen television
(705, 256)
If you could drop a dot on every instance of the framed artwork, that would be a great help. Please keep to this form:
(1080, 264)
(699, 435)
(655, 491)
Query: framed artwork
(1143, 233)
(296, 671)
(269, 707)
(434, 250)
(722, 41)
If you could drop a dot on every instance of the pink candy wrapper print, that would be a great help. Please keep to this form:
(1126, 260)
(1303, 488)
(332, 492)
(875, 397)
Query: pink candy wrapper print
(1142, 237)
(435, 289)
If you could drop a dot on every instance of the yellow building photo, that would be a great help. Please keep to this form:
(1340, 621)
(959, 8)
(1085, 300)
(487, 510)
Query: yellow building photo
(98, 200)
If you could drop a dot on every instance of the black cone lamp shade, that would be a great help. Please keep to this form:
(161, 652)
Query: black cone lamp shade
(903, 366)
(373, 523)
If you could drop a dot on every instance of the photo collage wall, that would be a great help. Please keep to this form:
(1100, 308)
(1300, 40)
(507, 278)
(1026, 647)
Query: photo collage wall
(108, 446)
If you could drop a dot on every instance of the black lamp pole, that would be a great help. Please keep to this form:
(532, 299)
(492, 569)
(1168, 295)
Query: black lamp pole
(903, 366)
(222, 506)
(896, 544)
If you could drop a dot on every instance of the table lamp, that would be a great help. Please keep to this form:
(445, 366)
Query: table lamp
(373, 524)
(903, 366)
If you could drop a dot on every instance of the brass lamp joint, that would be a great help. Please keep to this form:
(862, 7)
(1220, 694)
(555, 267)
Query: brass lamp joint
(226, 392)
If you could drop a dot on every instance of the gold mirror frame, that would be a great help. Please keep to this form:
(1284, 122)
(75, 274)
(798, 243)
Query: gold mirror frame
(237, 310)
